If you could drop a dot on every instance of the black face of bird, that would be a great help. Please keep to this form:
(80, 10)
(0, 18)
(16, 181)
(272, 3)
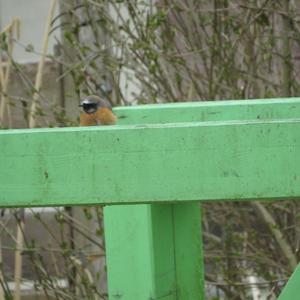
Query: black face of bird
(89, 108)
(92, 102)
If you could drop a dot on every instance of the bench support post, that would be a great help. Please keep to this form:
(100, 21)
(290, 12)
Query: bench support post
(154, 252)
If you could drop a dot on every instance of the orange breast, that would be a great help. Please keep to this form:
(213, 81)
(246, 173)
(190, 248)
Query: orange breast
(88, 119)
(102, 116)
(106, 117)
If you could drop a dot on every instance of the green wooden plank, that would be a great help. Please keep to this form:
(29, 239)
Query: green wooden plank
(150, 164)
(209, 111)
(164, 262)
(292, 289)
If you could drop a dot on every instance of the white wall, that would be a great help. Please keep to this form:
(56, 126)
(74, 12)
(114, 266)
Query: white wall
(33, 16)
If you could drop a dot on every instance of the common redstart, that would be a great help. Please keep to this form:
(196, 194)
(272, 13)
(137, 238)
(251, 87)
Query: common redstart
(96, 111)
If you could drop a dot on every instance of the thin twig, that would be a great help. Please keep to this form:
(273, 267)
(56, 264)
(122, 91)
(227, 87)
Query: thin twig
(39, 75)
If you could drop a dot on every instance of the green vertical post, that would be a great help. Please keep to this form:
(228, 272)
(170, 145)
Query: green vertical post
(292, 289)
(188, 248)
(154, 252)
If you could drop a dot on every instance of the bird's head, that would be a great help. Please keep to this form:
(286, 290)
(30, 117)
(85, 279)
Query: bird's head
(92, 103)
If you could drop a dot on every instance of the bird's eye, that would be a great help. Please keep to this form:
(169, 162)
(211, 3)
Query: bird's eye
(89, 108)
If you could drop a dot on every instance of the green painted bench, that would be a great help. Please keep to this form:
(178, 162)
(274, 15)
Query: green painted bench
(165, 159)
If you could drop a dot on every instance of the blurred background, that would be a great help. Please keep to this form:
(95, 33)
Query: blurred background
(53, 53)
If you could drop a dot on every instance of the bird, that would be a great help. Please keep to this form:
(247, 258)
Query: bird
(96, 111)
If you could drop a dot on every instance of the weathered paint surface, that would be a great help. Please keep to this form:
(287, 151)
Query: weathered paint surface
(262, 109)
(234, 160)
